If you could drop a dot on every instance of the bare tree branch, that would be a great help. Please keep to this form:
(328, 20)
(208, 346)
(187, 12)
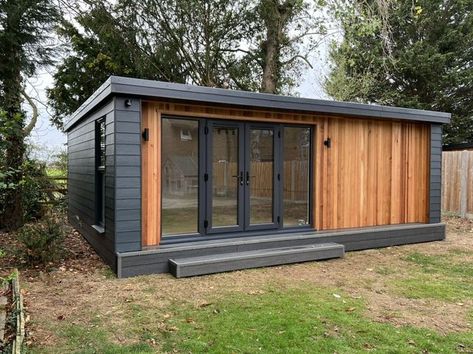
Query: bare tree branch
(34, 118)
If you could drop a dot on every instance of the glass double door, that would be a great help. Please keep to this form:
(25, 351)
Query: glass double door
(242, 176)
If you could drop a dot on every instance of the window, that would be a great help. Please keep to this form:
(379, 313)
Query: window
(180, 168)
(100, 172)
(296, 162)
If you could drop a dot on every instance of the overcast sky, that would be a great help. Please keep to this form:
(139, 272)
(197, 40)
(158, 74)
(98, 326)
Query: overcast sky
(49, 140)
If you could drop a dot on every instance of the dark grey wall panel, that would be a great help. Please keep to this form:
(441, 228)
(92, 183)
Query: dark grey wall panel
(435, 173)
(127, 175)
(156, 260)
(81, 182)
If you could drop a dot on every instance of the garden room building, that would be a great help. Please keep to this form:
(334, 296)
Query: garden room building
(192, 180)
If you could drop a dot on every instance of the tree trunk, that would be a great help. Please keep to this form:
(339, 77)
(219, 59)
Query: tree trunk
(275, 16)
(271, 50)
(12, 215)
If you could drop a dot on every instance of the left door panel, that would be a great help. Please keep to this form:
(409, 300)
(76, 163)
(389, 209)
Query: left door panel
(225, 177)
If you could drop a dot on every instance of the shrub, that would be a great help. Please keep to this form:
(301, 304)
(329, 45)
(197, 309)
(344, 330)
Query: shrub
(35, 186)
(43, 241)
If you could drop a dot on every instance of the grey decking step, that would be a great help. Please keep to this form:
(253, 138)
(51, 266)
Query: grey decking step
(224, 262)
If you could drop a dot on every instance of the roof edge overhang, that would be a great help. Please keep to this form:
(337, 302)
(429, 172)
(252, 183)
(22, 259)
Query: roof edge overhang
(149, 89)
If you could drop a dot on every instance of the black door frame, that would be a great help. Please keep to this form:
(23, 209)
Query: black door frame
(208, 177)
(203, 201)
(277, 185)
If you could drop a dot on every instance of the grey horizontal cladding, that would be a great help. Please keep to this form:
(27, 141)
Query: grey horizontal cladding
(128, 246)
(126, 138)
(435, 193)
(81, 181)
(126, 193)
(102, 245)
(123, 114)
(435, 203)
(127, 127)
(128, 149)
(128, 204)
(130, 161)
(126, 215)
(156, 260)
(156, 89)
(128, 171)
(82, 139)
(436, 158)
(127, 174)
(217, 263)
(128, 182)
(81, 154)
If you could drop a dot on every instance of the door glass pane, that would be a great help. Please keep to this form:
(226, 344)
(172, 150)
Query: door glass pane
(261, 175)
(296, 151)
(180, 171)
(224, 176)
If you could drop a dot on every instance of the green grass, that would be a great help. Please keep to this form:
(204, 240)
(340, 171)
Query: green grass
(302, 320)
(305, 319)
(55, 172)
(81, 339)
(437, 277)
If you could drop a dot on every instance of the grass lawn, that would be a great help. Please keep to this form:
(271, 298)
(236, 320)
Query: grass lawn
(409, 299)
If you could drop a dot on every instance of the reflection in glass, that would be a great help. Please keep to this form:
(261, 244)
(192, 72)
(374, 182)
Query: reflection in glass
(180, 171)
(296, 153)
(261, 175)
(224, 176)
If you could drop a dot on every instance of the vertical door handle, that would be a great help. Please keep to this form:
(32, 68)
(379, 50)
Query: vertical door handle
(247, 178)
(240, 178)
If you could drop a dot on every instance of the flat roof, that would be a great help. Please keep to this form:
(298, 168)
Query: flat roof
(149, 89)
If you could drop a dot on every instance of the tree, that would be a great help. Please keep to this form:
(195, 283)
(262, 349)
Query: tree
(221, 43)
(106, 39)
(285, 26)
(174, 40)
(25, 26)
(417, 55)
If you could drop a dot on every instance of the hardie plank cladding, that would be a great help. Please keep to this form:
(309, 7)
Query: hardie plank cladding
(81, 181)
(435, 172)
(128, 175)
(119, 100)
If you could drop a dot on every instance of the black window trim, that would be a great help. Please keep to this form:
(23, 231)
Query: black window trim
(100, 156)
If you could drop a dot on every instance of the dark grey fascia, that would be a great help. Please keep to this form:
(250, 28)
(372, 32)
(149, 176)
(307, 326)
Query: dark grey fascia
(116, 85)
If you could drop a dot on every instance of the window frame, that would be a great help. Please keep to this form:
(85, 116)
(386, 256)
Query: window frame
(100, 161)
(202, 234)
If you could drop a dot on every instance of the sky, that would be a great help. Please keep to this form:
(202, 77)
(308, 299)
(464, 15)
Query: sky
(47, 140)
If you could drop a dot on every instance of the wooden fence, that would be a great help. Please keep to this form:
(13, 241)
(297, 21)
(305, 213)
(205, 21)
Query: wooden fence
(457, 182)
(54, 189)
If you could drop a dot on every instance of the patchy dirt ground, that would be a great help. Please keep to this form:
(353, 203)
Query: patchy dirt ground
(82, 290)
(78, 256)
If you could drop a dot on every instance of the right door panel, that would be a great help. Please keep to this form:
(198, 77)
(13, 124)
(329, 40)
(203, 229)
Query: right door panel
(262, 176)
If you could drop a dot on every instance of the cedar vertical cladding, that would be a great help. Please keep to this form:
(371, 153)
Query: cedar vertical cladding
(374, 172)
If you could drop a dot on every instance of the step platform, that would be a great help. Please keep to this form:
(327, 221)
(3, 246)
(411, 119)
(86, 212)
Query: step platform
(225, 262)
